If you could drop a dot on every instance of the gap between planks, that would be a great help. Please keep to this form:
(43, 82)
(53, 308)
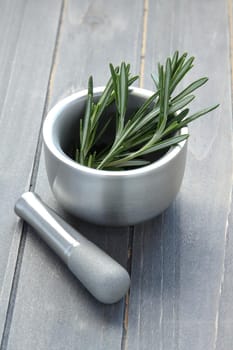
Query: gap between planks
(230, 24)
(131, 232)
(13, 292)
(143, 46)
(127, 298)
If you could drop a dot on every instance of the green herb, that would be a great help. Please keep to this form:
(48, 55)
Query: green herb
(153, 127)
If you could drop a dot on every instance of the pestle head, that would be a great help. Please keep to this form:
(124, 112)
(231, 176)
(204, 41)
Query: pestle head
(107, 280)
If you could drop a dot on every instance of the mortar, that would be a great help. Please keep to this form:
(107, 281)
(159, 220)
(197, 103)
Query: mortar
(113, 198)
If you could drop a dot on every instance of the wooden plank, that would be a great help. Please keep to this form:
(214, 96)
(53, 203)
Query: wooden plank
(224, 334)
(8, 38)
(10, 25)
(25, 59)
(52, 310)
(100, 33)
(182, 261)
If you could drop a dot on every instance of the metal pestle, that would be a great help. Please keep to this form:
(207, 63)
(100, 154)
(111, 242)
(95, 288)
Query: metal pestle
(104, 278)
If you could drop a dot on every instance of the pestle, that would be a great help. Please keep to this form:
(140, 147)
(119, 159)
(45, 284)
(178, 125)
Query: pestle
(103, 277)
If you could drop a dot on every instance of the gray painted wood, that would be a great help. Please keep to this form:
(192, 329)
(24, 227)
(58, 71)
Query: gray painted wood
(224, 339)
(181, 293)
(25, 59)
(52, 310)
(96, 33)
(12, 13)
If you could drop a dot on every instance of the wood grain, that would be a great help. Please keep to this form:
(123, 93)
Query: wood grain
(25, 59)
(224, 332)
(181, 270)
(181, 261)
(52, 310)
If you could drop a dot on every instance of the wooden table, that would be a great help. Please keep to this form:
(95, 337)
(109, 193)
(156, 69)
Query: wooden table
(181, 263)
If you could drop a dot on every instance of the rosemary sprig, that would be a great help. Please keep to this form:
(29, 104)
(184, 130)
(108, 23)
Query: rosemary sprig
(153, 127)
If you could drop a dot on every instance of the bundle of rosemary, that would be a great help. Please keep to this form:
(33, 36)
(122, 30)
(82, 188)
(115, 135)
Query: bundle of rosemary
(153, 127)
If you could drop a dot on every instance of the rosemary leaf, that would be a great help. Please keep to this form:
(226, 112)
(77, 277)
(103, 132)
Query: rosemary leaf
(174, 60)
(180, 104)
(86, 123)
(198, 114)
(133, 163)
(166, 143)
(123, 94)
(192, 87)
(180, 73)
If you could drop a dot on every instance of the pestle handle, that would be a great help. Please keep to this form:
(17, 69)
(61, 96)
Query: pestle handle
(104, 278)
